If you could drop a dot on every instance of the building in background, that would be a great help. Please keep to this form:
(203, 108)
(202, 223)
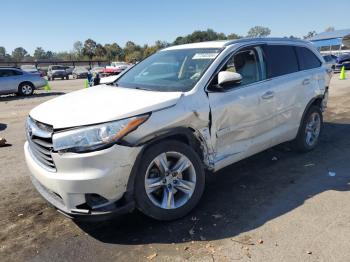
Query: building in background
(335, 42)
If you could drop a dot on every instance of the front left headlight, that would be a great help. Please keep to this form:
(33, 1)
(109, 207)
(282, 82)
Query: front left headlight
(95, 137)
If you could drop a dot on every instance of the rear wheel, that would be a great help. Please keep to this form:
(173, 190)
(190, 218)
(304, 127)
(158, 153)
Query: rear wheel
(67, 77)
(170, 181)
(25, 89)
(310, 130)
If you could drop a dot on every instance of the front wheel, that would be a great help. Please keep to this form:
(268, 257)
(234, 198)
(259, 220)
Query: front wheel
(170, 181)
(310, 130)
(25, 89)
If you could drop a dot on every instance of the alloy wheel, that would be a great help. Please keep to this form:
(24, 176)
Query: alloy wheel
(313, 128)
(170, 180)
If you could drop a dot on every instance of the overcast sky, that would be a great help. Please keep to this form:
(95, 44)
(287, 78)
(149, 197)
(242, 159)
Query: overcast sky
(56, 25)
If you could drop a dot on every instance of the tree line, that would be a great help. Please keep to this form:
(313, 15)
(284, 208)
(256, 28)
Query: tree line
(91, 50)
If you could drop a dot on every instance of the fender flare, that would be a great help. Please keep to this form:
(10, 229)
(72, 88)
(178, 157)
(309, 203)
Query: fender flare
(311, 102)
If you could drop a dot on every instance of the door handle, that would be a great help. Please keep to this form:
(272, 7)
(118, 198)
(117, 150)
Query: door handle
(268, 95)
(306, 81)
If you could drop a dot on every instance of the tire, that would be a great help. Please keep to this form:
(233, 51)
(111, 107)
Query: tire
(67, 77)
(62, 78)
(310, 130)
(26, 89)
(74, 76)
(186, 186)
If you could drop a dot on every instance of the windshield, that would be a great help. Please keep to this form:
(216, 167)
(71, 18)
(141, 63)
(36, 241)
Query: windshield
(171, 70)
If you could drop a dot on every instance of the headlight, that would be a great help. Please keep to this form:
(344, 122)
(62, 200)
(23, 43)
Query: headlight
(95, 137)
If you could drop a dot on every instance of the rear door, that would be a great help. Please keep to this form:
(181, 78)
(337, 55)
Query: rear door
(8, 81)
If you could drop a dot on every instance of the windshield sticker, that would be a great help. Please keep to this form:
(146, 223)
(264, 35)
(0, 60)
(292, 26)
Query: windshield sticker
(204, 56)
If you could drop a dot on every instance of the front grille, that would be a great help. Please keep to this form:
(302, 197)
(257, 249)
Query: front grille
(39, 137)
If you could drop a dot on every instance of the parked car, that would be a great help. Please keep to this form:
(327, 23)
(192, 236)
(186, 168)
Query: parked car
(97, 69)
(343, 60)
(69, 69)
(330, 60)
(80, 72)
(57, 71)
(14, 80)
(116, 68)
(32, 69)
(146, 140)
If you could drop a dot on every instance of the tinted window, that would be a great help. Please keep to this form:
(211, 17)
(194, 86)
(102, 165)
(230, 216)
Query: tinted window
(281, 60)
(307, 59)
(7, 72)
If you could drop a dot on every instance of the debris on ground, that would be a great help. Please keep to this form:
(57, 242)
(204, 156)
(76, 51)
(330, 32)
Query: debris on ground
(216, 216)
(309, 252)
(261, 241)
(2, 141)
(150, 257)
(330, 173)
(309, 164)
(274, 158)
(19, 215)
(245, 240)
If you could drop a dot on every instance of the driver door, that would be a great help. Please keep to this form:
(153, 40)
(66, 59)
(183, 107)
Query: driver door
(242, 114)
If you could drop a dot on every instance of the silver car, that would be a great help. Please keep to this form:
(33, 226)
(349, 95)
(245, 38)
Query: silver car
(13, 80)
(146, 140)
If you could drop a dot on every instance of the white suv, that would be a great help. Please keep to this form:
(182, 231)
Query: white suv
(146, 140)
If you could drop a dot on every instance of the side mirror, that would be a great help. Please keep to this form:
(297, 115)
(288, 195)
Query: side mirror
(226, 77)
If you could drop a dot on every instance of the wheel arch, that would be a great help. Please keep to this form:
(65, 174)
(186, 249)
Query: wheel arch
(184, 135)
(316, 101)
(26, 82)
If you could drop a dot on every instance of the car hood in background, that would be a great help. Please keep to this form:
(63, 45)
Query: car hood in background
(100, 104)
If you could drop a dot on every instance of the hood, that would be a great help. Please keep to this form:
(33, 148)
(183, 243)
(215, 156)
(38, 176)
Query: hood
(100, 104)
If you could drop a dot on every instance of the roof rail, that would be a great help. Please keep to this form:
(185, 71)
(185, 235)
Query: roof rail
(265, 39)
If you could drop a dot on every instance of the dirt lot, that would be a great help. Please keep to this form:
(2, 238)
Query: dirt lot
(275, 206)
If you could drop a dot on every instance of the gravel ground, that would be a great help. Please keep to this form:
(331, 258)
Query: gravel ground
(275, 206)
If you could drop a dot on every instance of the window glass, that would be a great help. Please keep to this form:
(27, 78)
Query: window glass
(170, 70)
(307, 59)
(281, 60)
(7, 72)
(249, 64)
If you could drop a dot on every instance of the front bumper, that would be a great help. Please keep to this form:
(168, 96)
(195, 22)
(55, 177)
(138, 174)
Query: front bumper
(103, 173)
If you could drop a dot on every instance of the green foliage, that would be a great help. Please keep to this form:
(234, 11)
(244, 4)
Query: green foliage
(39, 53)
(19, 53)
(2, 52)
(89, 48)
(131, 52)
(114, 52)
(78, 49)
(310, 34)
(200, 36)
(259, 31)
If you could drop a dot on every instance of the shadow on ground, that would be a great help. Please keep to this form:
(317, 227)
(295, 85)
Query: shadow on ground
(35, 95)
(244, 195)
